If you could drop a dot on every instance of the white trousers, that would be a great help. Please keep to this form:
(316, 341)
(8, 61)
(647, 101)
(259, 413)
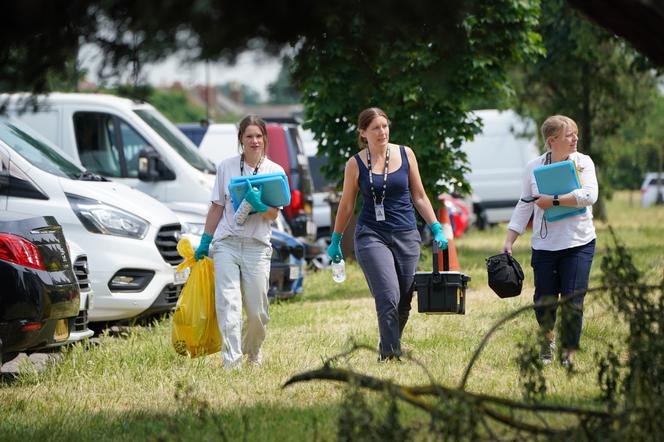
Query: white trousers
(241, 278)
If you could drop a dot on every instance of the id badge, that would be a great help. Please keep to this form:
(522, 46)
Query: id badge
(380, 212)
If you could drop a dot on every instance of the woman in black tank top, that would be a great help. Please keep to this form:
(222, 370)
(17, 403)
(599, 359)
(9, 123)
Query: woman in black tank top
(387, 242)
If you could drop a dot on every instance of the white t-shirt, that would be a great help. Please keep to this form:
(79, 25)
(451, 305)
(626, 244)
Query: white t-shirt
(255, 226)
(565, 233)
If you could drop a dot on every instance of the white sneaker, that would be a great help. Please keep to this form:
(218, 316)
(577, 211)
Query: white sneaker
(255, 359)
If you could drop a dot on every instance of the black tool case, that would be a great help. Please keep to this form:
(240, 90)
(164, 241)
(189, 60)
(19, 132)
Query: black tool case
(441, 292)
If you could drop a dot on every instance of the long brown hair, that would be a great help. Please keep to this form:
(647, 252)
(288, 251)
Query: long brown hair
(364, 120)
(252, 120)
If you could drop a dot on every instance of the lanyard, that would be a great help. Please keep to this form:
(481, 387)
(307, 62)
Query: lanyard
(242, 165)
(387, 165)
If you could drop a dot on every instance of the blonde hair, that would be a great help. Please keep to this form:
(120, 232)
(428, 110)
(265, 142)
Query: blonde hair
(364, 120)
(553, 125)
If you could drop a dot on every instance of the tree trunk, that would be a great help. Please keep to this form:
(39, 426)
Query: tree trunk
(599, 208)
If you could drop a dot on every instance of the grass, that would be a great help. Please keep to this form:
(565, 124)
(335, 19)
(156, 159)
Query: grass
(137, 387)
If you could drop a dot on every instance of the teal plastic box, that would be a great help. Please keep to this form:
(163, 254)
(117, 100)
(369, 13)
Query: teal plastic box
(558, 179)
(276, 192)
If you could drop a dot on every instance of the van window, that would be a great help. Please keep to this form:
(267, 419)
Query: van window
(176, 139)
(98, 145)
(36, 151)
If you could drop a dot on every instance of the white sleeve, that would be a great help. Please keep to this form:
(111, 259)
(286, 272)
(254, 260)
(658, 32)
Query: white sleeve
(523, 211)
(217, 191)
(587, 194)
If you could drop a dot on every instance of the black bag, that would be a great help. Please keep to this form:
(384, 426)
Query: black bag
(505, 275)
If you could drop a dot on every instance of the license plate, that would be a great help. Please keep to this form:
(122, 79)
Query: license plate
(180, 277)
(294, 272)
(61, 330)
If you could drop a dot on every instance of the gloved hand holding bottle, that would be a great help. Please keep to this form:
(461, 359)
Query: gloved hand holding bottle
(204, 247)
(253, 196)
(438, 236)
(334, 250)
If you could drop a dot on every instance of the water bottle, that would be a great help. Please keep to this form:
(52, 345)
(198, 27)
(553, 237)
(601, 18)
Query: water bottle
(242, 212)
(338, 271)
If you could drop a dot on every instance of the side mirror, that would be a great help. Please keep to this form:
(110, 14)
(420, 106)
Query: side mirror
(151, 167)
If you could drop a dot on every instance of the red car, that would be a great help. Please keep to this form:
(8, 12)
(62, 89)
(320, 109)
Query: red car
(458, 212)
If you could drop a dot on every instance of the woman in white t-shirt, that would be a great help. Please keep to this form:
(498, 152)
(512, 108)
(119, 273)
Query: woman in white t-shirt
(562, 250)
(241, 252)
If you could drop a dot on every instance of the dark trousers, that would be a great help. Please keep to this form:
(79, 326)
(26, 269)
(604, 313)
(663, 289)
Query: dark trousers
(562, 274)
(389, 261)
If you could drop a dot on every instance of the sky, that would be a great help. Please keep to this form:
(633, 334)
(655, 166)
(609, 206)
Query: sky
(251, 69)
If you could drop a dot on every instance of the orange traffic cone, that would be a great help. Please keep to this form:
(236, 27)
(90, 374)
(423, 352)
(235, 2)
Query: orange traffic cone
(444, 219)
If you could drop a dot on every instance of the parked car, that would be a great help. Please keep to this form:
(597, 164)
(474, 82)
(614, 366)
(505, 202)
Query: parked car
(286, 267)
(40, 296)
(130, 239)
(652, 189)
(459, 214)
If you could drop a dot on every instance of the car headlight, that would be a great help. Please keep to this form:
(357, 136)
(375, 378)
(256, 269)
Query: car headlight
(196, 229)
(99, 217)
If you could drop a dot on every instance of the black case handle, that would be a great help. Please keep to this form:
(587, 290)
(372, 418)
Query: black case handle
(446, 259)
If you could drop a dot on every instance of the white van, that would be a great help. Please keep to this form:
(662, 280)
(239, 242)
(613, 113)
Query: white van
(130, 239)
(497, 159)
(126, 141)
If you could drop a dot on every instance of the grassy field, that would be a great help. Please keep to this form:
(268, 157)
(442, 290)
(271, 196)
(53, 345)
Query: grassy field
(136, 387)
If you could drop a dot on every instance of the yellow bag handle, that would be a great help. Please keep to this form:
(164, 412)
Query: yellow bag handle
(187, 252)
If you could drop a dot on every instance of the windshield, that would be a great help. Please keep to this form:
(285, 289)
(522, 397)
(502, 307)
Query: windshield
(176, 139)
(36, 150)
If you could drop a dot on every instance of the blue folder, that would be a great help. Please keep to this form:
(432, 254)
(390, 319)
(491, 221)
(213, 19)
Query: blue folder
(558, 179)
(276, 192)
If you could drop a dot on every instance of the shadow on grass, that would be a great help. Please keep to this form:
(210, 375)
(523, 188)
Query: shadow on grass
(194, 420)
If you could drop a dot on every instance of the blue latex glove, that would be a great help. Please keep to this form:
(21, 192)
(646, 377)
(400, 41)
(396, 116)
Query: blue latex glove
(437, 231)
(253, 197)
(334, 250)
(203, 248)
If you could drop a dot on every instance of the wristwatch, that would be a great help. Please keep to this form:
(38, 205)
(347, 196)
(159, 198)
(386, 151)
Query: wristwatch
(556, 201)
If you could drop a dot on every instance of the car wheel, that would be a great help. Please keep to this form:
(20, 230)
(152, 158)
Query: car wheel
(6, 357)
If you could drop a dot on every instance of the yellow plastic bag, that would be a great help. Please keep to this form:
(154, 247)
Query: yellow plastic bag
(194, 330)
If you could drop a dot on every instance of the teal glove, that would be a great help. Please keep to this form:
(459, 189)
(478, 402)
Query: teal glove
(437, 231)
(203, 248)
(334, 250)
(253, 197)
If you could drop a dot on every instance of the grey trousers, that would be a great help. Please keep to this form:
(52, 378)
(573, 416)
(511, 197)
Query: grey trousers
(389, 261)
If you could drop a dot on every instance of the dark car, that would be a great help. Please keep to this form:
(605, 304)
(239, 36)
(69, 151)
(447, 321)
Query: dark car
(287, 266)
(40, 296)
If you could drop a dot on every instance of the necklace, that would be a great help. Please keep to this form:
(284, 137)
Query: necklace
(379, 208)
(257, 165)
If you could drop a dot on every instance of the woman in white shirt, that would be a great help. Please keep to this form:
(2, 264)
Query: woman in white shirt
(562, 250)
(241, 252)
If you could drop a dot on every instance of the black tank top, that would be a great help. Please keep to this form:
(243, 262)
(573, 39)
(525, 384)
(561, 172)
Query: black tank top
(399, 211)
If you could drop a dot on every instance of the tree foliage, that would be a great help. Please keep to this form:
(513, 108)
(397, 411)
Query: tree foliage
(587, 74)
(282, 90)
(422, 69)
